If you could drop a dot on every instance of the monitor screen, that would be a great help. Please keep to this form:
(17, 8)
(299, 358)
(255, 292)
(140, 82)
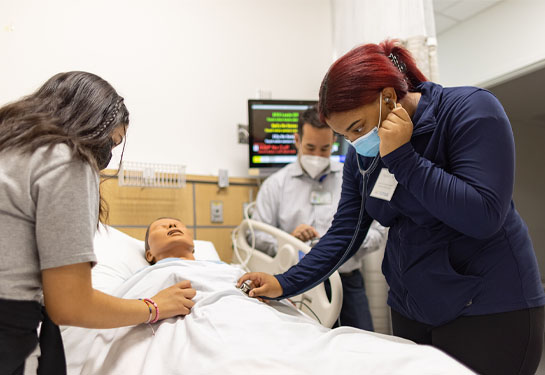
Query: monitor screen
(272, 127)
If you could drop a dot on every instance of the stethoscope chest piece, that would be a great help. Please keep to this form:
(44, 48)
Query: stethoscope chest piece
(246, 287)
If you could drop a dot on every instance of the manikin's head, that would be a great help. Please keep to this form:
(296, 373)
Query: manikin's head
(168, 238)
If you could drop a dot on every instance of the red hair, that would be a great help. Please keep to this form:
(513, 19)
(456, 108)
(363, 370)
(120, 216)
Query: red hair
(359, 76)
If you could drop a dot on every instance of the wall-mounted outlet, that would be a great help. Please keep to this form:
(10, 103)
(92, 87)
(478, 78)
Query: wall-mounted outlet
(223, 178)
(243, 135)
(216, 211)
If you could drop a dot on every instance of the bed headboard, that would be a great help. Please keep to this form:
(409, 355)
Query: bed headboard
(131, 209)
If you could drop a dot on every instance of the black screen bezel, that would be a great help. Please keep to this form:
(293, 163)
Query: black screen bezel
(250, 127)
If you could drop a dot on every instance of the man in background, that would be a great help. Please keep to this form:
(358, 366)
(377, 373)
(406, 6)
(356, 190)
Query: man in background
(302, 199)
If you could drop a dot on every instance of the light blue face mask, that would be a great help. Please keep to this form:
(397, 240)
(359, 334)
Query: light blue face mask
(368, 144)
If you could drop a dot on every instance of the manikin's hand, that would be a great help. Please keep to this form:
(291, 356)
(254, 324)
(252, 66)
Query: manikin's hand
(264, 284)
(175, 300)
(305, 232)
(395, 130)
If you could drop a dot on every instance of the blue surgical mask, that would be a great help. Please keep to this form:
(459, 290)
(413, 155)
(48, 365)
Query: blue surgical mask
(368, 144)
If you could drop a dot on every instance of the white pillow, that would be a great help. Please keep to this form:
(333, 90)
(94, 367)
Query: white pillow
(119, 256)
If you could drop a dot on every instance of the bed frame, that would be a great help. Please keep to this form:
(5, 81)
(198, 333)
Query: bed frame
(314, 302)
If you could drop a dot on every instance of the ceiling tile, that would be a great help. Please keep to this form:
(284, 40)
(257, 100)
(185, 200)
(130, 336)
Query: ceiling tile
(443, 23)
(441, 5)
(463, 10)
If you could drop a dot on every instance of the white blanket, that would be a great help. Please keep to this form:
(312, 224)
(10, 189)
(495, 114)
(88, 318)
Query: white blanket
(230, 333)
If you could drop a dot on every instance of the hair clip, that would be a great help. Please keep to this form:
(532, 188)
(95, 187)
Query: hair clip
(398, 64)
(108, 120)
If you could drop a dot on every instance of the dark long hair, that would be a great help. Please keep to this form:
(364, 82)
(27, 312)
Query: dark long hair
(356, 78)
(78, 109)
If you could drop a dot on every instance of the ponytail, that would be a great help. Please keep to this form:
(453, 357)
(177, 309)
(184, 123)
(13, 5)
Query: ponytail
(402, 59)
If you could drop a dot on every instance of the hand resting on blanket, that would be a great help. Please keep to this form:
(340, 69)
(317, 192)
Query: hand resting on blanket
(71, 300)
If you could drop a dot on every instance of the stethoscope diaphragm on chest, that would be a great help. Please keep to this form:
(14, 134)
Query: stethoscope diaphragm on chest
(246, 287)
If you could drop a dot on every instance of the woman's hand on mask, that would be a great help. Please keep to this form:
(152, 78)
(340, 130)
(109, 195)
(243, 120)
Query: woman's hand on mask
(263, 284)
(395, 130)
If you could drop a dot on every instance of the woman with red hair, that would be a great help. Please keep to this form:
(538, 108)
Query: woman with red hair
(436, 165)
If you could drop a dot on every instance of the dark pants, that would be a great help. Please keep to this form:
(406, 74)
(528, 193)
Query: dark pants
(18, 338)
(507, 343)
(355, 310)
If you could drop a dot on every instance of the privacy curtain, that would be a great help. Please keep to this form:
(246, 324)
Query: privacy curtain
(412, 22)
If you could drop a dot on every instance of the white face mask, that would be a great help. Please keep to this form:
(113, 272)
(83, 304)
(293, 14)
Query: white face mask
(314, 165)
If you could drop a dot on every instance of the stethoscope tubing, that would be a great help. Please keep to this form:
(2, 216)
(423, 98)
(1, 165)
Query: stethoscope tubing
(365, 175)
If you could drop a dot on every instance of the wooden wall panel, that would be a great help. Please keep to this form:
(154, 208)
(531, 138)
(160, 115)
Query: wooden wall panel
(138, 233)
(233, 198)
(140, 206)
(221, 238)
(132, 209)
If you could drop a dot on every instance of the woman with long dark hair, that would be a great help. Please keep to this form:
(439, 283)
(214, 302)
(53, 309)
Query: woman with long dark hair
(436, 165)
(53, 144)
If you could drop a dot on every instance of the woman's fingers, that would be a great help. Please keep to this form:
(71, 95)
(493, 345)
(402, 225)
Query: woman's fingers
(189, 292)
(264, 284)
(188, 303)
(260, 291)
(243, 278)
(175, 300)
(395, 130)
(183, 284)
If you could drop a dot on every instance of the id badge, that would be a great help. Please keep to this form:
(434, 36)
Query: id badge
(320, 197)
(385, 186)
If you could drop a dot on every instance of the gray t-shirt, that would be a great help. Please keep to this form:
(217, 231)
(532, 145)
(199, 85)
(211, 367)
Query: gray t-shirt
(48, 215)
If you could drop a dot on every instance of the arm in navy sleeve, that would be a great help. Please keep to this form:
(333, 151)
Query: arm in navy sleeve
(474, 196)
(323, 259)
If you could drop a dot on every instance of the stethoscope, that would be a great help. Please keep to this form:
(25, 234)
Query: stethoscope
(365, 174)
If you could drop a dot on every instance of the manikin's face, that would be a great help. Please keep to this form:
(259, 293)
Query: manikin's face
(169, 238)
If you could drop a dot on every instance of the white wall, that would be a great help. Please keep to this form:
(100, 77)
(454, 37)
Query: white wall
(186, 68)
(502, 39)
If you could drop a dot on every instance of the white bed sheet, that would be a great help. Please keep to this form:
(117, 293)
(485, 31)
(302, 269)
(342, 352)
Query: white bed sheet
(230, 333)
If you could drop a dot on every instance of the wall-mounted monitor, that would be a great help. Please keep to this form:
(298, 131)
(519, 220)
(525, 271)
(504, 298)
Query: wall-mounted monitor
(272, 128)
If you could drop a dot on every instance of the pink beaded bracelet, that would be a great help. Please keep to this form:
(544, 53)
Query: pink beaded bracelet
(149, 308)
(156, 309)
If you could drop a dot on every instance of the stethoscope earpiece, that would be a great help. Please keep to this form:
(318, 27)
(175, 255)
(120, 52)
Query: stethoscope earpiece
(388, 101)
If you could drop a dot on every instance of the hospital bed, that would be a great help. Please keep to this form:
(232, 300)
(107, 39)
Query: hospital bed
(317, 303)
(227, 332)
